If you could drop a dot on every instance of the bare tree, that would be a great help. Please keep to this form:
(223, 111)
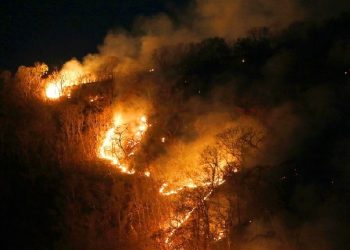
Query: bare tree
(29, 80)
(212, 162)
(223, 160)
(236, 143)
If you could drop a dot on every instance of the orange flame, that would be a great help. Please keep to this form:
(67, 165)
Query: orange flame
(52, 91)
(109, 150)
(179, 222)
(113, 145)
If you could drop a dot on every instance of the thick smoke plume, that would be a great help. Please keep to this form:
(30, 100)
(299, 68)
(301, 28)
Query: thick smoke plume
(125, 52)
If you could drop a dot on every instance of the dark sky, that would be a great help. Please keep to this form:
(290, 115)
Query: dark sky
(53, 31)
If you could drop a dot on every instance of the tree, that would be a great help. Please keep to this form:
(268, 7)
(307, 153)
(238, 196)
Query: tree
(29, 81)
(213, 164)
(236, 143)
(224, 161)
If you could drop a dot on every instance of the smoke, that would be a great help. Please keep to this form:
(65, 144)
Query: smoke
(322, 9)
(268, 85)
(180, 163)
(132, 51)
(126, 53)
(233, 19)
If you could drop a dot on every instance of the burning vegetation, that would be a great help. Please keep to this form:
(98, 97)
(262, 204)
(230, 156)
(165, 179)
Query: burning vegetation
(205, 144)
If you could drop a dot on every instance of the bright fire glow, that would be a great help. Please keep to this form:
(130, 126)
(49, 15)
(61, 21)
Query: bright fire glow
(52, 91)
(184, 219)
(165, 185)
(121, 141)
(178, 223)
(73, 73)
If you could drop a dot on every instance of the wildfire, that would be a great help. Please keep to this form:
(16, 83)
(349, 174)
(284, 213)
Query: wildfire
(176, 224)
(73, 73)
(163, 188)
(52, 91)
(92, 98)
(121, 141)
(183, 220)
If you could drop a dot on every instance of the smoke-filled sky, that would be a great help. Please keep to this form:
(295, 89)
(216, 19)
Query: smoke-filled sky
(55, 31)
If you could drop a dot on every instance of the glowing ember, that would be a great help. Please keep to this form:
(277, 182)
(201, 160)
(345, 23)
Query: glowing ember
(219, 236)
(147, 173)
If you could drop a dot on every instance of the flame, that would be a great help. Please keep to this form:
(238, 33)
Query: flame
(219, 236)
(110, 151)
(73, 73)
(115, 149)
(52, 91)
(179, 222)
(164, 186)
(183, 220)
(91, 98)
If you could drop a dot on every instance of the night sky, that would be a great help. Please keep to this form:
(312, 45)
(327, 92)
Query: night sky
(55, 31)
